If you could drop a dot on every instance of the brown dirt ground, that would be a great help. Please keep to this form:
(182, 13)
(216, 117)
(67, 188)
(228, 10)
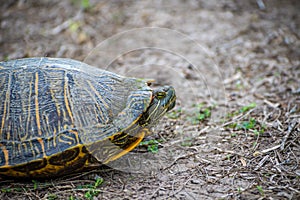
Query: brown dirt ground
(233, 154)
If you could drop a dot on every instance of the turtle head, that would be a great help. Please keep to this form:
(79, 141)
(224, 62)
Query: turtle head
(163, 100)
(126, 134)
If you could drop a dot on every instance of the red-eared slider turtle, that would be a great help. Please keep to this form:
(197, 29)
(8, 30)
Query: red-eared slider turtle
(58, 116)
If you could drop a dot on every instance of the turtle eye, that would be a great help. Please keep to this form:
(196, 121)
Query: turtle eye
(160, 95)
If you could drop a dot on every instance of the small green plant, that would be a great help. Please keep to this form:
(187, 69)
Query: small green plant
(98, 182)
(260, 189)
(242, 110)
(262, 129)
(85, 4)
(249, 124)
(90, 194)
(74, 26)
(239, 85)
(187, 142)
(175, 114)
(277, 74)
(233, 134)
(228, 156)
(254, 144)
(256, 132)
(200, 114)
(206, 113)
(247, 107)
(92, 189)
(35, 184)
(14, 189)
(239, 189)
(52, 197)
(152, 145)
(246, 125)
(6, 190)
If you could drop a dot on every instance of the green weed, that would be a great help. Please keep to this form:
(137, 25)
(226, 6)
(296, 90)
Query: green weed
(260, 189)
(175, 114)
(152, 145)
(233, 134)
(85, 4)
(187, 142)
(246, 125)
(52, 197)
(74, 26)
(247, 108)
(239, 189)
(228, 156)
(92, 189)
(244, 109)
(6, 190)
(200, 114)
(35, 184)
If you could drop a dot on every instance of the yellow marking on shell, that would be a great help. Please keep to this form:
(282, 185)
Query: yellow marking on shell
(49, 170)
(100, 97)
(42, 146)
(6, 105)
(36, 101)
(66, 100)
(76, 135)
(69, 142)
(29, 108)
(5, 152)
(65, 127)
(97, 93)
(47, 124)
(56, 103)
(54, 133)
(140, 137)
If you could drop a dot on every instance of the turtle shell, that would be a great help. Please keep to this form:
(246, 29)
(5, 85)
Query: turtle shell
(55, 113)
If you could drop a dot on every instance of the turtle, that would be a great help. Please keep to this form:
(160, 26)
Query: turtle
(59, 116)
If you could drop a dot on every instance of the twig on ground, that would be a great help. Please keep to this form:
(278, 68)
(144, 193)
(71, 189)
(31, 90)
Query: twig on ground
(273, 105)
(180, 157)
(155, 191)
(262, 162)
(228, 151)
(290, 130)
(238, 117)
(270, 149)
